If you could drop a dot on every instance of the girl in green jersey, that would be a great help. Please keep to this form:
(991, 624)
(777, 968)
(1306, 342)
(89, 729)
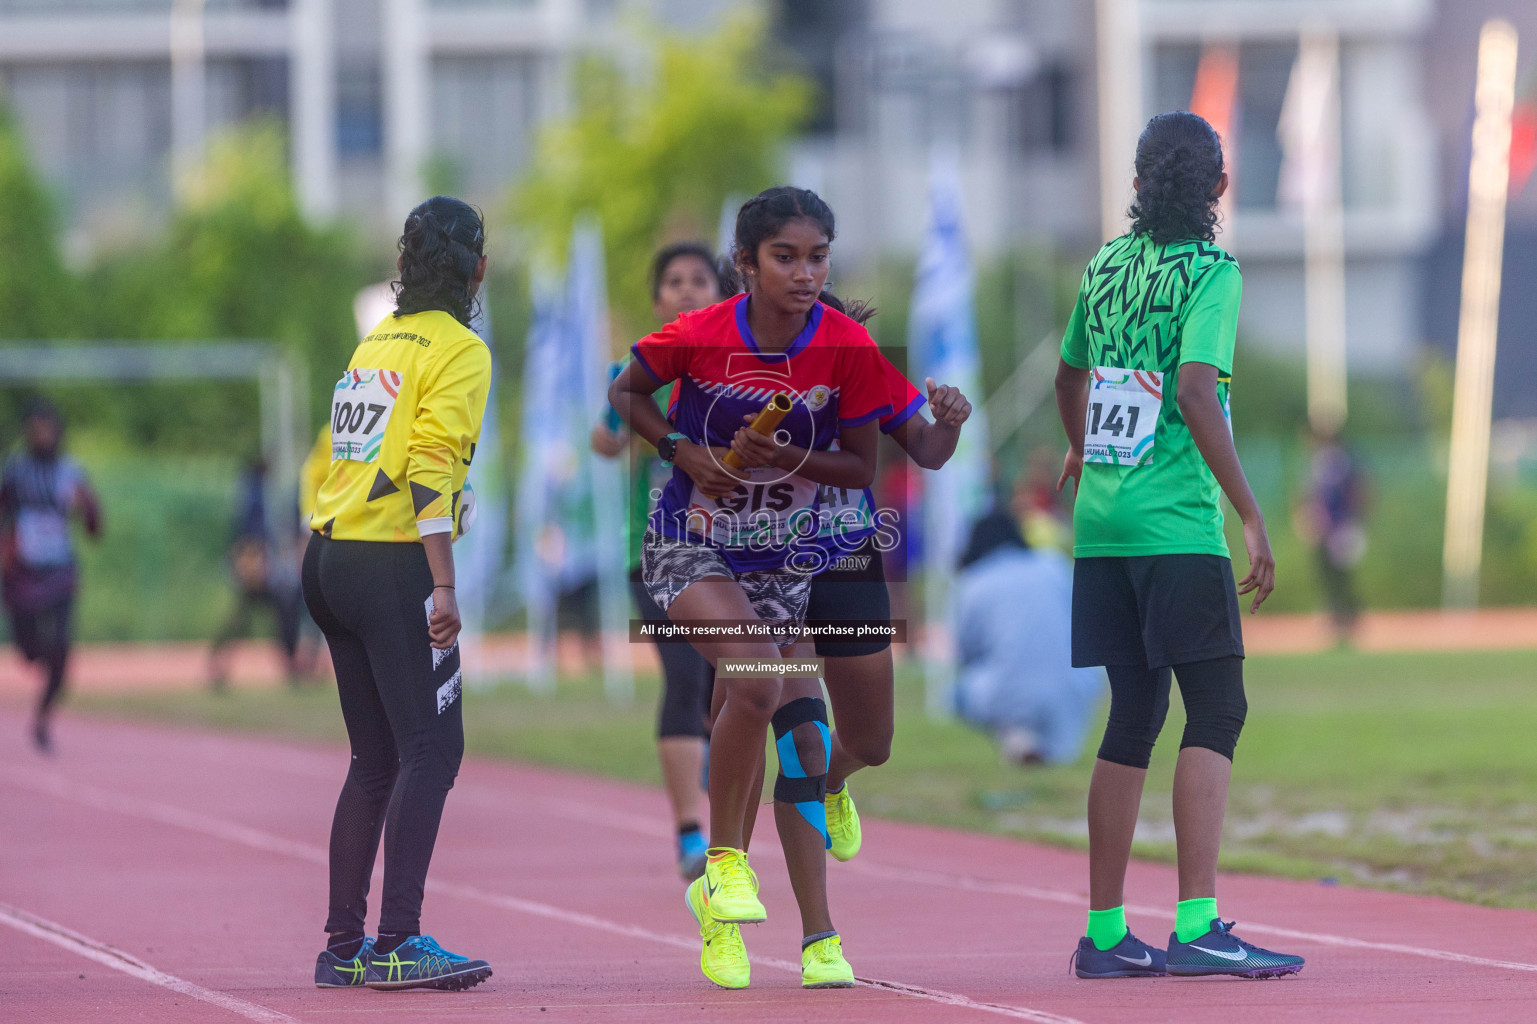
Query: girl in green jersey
(1142, 389)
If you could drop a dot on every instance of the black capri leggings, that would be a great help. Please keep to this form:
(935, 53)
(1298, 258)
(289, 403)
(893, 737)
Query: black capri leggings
(1215, 708)
(401, 701)
(688, 681)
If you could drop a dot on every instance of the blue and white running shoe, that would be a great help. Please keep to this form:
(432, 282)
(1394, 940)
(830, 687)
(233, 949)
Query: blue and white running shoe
(1129, 958)
(331, 971)
(693, 851)
(419, 962)
(1219, 951)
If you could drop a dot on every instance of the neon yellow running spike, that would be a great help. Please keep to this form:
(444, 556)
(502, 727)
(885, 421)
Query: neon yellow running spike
(823, 966)
(730, 888)
(723, 956)
(843, 824)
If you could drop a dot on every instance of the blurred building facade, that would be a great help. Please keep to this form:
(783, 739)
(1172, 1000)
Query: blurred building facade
(384, 98)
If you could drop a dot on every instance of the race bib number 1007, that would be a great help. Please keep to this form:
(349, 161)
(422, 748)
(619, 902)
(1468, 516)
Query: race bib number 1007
(360, 410)
(1123, 416)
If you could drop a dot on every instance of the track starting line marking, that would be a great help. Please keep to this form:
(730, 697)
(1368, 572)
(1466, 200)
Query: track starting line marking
(229, 831)
(108, 956)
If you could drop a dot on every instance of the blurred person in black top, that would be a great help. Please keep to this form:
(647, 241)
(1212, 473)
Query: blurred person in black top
(41, 490)
(261, 580)
(1331, 519)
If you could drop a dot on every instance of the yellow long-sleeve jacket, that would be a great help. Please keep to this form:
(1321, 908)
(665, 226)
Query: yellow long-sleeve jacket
(405, 420)
(313, 473)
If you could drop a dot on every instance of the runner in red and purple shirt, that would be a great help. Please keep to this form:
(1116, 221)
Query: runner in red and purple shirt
(731, 549)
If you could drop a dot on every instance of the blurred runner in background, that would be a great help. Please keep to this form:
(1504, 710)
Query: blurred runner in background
(262, 580)
(41, 489)
(1330, 519)
(1013, 619)
(684, 276)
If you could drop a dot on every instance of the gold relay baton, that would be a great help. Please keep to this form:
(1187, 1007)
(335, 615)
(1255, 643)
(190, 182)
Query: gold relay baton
(765, 423)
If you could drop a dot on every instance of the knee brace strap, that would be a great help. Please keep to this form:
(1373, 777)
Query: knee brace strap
(794, 785)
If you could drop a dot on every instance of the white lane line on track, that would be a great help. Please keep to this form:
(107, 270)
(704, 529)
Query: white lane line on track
(642, 825)
(592, 814)
(920, 877)
(167, 814)
(91, 949)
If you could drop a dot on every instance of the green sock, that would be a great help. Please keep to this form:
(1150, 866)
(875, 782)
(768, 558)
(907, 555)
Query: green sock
(1192, 918)
(1107, 927)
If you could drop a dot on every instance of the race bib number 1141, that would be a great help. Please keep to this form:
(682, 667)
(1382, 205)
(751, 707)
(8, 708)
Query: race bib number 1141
(360, 410)
(1123, 416)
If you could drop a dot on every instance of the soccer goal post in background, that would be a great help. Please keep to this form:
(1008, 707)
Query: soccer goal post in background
(278, 374)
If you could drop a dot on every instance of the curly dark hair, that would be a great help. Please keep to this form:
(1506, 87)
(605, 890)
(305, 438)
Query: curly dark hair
(761, 217)
(443, 241)
(1179, 161)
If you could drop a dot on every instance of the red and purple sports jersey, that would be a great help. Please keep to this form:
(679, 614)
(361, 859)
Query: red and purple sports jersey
(905, 399)
(848, 517)
(834, 376)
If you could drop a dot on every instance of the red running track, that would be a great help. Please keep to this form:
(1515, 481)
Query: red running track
(177, 876)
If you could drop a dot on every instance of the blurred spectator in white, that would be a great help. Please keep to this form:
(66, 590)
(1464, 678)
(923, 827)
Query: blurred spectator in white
(1331, 519)
(1012, 632)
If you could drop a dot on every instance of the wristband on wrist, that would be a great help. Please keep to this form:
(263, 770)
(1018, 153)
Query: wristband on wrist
(442, 586)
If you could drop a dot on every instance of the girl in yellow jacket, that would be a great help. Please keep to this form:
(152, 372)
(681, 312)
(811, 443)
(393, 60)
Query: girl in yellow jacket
(379, 582)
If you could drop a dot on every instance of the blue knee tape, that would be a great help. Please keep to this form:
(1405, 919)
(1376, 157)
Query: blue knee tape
(806, 792)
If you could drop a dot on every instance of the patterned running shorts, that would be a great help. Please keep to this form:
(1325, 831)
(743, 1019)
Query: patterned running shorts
(668, 567)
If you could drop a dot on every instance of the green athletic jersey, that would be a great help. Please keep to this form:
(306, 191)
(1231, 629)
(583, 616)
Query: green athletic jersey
(1147, 307)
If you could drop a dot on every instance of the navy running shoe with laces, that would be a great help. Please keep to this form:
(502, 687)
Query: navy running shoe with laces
(419, 962)
(331, 971)
(1219, 951)
(1129, 958)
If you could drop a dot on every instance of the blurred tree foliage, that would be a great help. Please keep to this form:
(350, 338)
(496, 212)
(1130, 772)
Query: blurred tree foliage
(655, 160)
(237, 261)
(37, 293)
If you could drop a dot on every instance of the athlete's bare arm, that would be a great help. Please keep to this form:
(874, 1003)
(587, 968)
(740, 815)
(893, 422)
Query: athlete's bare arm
(1209, 429)
(703, 465)
(852, 466)
(1073, 408)
(930, 445)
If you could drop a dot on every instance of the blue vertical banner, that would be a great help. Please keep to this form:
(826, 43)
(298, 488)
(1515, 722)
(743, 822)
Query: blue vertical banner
(480, 554)
(942, 343)
(539, 545)
(588, 343)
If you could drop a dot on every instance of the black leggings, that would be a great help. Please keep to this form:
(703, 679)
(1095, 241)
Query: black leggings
(43, 637)
(688, 681)
(1215, 708)
(401, 702)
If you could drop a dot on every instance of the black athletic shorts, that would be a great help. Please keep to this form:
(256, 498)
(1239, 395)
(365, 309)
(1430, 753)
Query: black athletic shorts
(853, 589)
(1154, 610)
